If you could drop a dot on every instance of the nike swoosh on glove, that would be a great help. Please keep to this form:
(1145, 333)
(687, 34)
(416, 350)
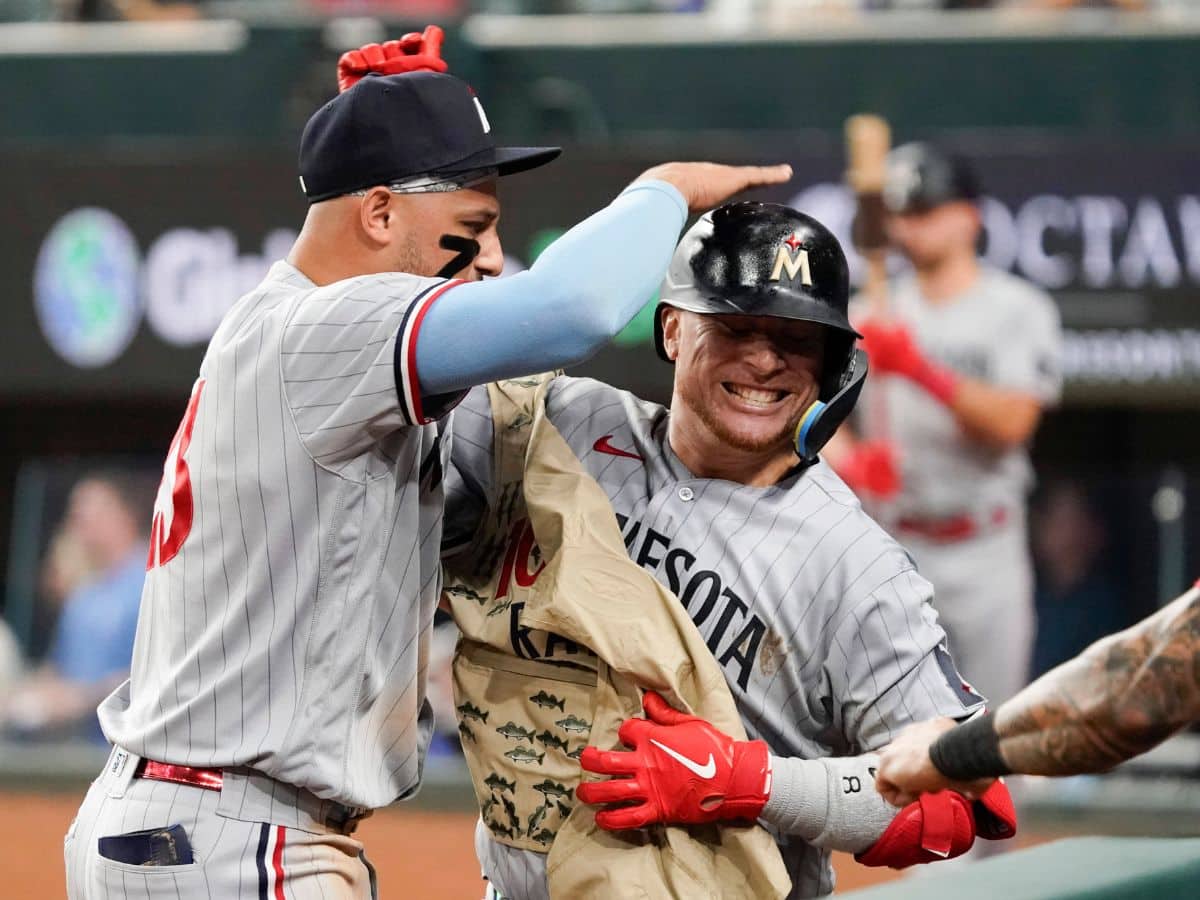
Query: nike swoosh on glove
(681, 770)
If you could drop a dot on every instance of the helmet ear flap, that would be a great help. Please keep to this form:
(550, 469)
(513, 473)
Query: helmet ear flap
(839, 353)
(825, 416)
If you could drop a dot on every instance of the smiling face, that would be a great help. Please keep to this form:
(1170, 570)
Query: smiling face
(742, 384)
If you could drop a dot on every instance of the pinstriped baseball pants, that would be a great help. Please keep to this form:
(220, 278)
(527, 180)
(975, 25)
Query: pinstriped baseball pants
(232, 859)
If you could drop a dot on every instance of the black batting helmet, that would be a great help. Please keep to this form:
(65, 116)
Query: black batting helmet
(762, 259)
(766, 259)
(919, 177)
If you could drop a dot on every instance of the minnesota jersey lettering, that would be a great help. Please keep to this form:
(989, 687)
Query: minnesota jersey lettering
(703, 595)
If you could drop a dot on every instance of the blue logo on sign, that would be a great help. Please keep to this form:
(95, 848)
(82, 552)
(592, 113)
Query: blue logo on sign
(86, 287)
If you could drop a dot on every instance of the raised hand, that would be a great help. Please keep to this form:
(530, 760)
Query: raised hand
(705, 185)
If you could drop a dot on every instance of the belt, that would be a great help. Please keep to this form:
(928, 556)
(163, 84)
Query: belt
(209, 779)
(338, 816)
(953, 528)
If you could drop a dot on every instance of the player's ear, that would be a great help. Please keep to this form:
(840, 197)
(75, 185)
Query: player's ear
(375, 215)
(671, 323)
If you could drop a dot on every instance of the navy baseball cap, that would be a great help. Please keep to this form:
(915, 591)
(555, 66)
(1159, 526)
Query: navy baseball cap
(391, 127)
(920, 177)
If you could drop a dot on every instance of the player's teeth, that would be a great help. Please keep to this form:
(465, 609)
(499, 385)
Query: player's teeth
(754, 395)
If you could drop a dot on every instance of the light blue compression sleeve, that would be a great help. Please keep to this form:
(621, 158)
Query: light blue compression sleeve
(579, 294)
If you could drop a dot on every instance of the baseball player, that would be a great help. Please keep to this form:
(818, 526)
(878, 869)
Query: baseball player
(277, 693)
(819, 620)
(1122, 696)
(972, 355)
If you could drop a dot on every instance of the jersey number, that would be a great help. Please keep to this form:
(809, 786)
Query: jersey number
(173, 503)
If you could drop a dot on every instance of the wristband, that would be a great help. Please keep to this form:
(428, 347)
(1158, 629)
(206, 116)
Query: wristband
(970, 751)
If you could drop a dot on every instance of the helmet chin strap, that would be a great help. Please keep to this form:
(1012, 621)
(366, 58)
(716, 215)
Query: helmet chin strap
(822, 419)
(465, 250)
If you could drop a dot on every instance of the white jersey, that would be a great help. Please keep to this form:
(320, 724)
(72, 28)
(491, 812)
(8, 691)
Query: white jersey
(822, 625)
(1003, 331)
(293, 570)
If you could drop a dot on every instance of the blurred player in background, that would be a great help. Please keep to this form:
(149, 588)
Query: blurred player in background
(278, 687)
(964, 362)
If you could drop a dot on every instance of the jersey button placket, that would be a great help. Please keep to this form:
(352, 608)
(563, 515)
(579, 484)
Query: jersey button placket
(686, 494)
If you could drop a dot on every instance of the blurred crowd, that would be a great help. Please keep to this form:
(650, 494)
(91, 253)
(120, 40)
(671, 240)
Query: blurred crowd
(162, 10)
(1078, 592)
(90, 588)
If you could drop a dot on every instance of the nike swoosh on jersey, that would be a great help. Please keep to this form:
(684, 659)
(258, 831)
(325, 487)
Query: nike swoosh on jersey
(708, 770)
(603, 446)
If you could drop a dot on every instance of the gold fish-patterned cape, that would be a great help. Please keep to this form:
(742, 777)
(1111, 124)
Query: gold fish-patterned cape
(561, 632)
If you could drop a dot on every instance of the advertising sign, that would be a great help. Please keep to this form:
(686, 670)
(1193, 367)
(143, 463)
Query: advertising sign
(117, 268)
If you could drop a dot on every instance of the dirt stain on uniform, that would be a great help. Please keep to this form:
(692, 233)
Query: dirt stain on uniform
(771, 653)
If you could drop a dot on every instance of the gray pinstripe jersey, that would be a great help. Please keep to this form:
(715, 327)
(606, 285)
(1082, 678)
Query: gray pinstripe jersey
(294, 554)
(821, 623)
(1003, 331)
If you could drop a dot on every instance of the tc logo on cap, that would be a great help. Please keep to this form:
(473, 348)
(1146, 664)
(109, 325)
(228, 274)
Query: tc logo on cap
(902, 183)
(793, 259)
(483, 119)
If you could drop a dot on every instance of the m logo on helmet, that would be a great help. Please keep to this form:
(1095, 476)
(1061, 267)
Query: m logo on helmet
(792, 258)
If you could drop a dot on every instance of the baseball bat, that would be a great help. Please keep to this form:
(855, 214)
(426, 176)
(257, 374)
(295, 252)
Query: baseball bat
(868, 140)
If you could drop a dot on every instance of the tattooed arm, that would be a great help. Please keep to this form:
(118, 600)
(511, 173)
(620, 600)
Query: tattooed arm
(1120, 697)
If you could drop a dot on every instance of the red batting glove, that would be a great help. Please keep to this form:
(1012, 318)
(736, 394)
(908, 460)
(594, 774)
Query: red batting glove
(995, 815)
(942, 825)
(413, 52)
(891, 349)
(681, 770)
(871, 468)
